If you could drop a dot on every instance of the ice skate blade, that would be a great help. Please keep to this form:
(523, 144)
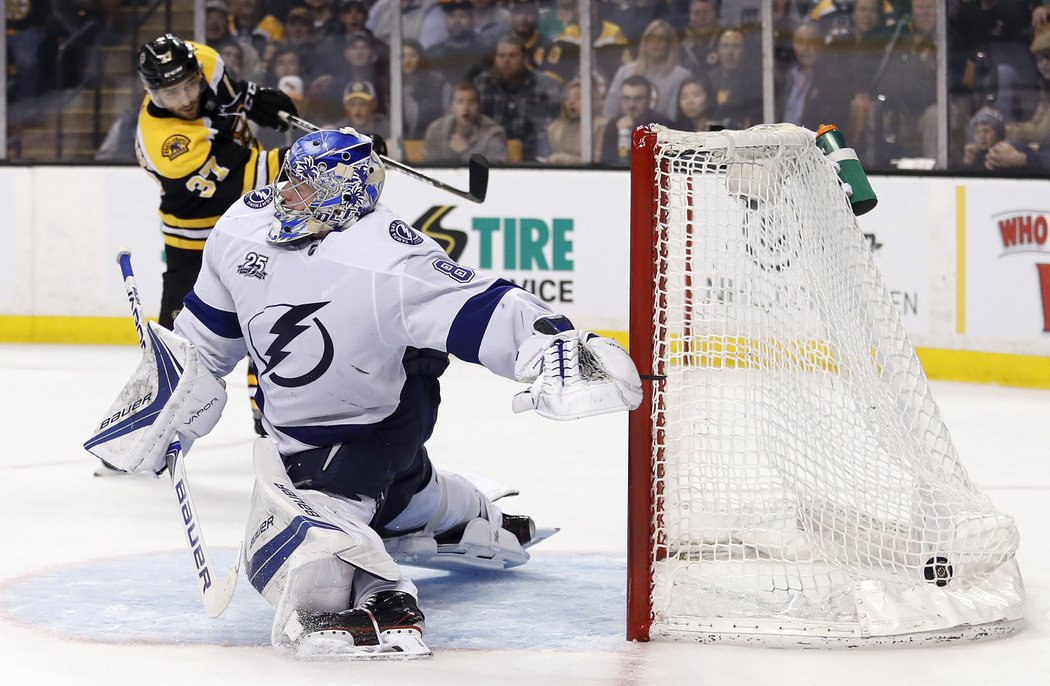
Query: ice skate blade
(541, 535)
(396, 644)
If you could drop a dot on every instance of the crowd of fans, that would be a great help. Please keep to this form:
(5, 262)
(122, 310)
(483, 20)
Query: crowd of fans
(502, 76)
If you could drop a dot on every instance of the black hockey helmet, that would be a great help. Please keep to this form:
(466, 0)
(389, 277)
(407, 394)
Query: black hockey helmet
(165, 61)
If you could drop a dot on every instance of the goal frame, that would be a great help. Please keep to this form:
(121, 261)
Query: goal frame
(640, 532)
(648, 545)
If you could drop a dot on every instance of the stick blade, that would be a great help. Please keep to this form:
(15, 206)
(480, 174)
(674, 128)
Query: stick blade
(218, 596)
(479, 177)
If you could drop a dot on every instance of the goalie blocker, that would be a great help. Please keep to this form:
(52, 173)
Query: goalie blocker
(169, 393)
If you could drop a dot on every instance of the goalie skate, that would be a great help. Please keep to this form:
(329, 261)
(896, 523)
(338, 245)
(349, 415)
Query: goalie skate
(477, 546)
(389, 626)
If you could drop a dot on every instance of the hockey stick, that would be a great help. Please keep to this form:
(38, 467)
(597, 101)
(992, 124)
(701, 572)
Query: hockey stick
(215, 593)
(478, 167)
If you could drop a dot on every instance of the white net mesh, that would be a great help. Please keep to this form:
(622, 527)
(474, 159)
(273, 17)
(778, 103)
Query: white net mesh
(800, 464)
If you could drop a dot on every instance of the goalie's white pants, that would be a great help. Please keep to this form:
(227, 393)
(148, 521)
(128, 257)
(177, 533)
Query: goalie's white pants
(314, 552)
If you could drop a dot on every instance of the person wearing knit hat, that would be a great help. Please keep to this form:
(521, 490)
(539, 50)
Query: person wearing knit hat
(986, 129)
(991, 118)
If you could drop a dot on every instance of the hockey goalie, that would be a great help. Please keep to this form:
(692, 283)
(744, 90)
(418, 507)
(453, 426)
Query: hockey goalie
(350, 314)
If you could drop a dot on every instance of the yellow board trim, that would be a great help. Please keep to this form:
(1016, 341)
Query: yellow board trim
(84, 330)
(1026, 371)
(960, 259)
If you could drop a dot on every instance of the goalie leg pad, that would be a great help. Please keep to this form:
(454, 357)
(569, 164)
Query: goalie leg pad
(448, 501)
(305, 548)
(455, 536)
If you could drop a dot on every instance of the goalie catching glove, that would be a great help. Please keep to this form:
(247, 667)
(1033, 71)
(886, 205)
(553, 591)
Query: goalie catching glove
(170, 393)
(574, 373)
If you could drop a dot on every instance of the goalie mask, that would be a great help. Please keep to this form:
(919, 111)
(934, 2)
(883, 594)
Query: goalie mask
(334, 179)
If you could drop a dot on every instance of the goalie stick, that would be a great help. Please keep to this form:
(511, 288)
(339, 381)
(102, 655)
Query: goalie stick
(216, 591)
(477, 166)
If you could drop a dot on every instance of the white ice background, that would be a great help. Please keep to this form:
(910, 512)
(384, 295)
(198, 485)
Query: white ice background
(97, 588)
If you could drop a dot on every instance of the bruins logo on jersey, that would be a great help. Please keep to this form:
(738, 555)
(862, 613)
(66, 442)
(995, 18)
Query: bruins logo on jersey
(174, 146)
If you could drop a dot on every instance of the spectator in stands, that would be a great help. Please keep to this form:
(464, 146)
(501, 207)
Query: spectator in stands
(658, 63)
(217, 34)
(27, 36)
(698, 51)
(554, 17)
(359, 108)
(464, 131)
(461, 56)
(853, 55)
(993, 37)
(299, 35)
(565, 133)
(1041, 17)
(909, 84)
(611, 49)
(634, 17)
(217, 23)
(524, 20)
(635, 95)
(356, 61)
(986, 129)
(519, 99)
(325, 17)
(353, 19)
(423, 91)
(1038, 126)
(695, 102)
(491, 22)
(785, 21)
(249, 24)
(232, 54)
(284, 62)
(737, 86)
(1015, 157)
(353, 16)
(381, 18)
(799, 96)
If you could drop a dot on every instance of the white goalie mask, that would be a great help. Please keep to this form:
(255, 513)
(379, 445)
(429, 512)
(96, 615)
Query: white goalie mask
(333, 179)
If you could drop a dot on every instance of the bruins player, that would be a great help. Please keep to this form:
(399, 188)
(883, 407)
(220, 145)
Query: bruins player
(193, 138)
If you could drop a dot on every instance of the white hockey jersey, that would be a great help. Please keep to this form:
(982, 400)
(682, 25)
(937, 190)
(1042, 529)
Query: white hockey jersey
(327, 321)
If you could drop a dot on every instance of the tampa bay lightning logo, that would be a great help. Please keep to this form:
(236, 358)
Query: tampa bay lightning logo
(293, 346)
(403, 233)
(259, 198)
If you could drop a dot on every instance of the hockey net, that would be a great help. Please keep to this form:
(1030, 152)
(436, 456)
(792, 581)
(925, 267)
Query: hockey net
(792, 481)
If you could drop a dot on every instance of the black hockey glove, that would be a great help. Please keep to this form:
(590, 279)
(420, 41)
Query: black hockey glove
(263, 104)
(378, 143)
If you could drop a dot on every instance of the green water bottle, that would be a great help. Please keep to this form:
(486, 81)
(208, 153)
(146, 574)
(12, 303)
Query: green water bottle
(832, 144)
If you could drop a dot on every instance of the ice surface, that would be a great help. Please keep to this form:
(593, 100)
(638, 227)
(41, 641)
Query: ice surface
(95, 587)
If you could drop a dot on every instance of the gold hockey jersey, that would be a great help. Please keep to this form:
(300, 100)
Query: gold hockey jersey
(206, 164)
